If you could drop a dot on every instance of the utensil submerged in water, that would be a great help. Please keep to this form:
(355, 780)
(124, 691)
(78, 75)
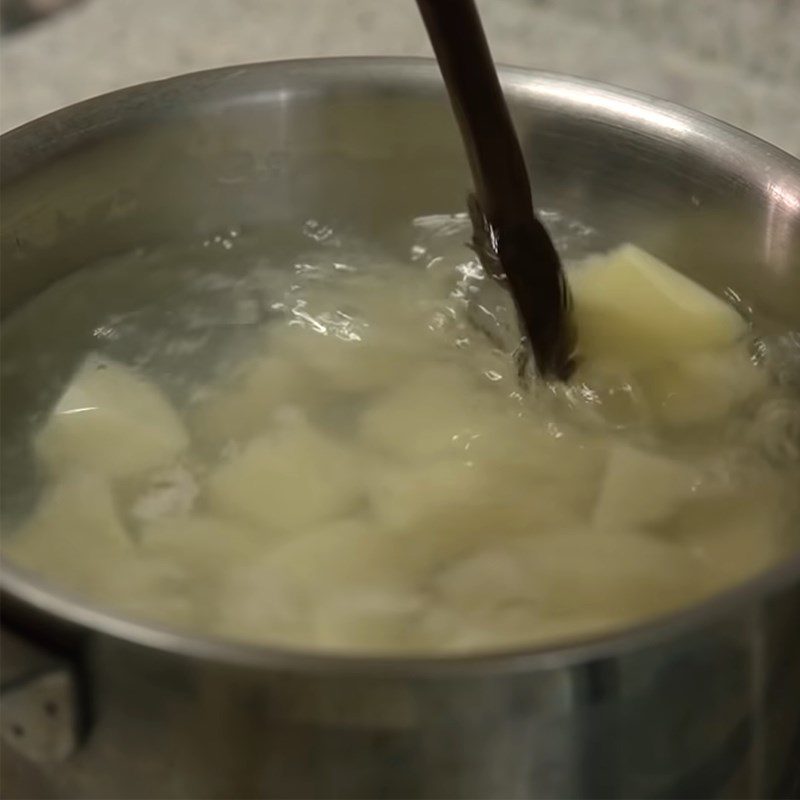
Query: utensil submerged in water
(511, 243)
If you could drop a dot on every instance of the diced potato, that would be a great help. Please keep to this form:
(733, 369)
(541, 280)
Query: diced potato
(367, 331)
(321, 556)
(203, 543)
(736, 536)
(286, 480)
(555, 465)
(641, 488)
(244, 408)
(631, 307)
(512, 478)
(393, 299)
(151, 589)
(76, 539)
(112, 422)
(775, 431)
(603, 396)
(74, 532)
(166, 493)
(343, 584)
(436, 511)
(485, 581)
(352, 553)
(451, 506)
(436, 412)
(258, 606)
(372, 619)
(702, 387)
(404, 496)
(617, 577)
(349, 361)
(277, 594)
(500, 601)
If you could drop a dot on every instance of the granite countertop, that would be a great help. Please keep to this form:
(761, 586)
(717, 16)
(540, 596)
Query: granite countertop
(734, 59)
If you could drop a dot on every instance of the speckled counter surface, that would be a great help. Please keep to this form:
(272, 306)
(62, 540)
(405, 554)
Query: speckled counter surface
(735, 59)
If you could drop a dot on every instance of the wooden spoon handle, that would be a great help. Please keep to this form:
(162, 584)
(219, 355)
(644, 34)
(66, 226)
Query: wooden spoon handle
(495, 157)
(510, 241)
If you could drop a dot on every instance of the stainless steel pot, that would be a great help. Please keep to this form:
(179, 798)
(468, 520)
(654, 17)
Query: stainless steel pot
(703, 704)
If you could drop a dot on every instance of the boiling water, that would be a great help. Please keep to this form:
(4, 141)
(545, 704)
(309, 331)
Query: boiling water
(360, 465)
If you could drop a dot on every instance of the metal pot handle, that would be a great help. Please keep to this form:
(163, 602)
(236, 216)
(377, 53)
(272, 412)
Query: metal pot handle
(39, 691)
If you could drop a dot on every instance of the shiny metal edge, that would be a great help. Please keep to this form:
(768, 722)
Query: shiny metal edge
(62, 604)
(603, 99)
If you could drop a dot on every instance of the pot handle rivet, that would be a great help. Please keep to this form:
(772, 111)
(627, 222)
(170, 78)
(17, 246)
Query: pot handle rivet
(38, 693)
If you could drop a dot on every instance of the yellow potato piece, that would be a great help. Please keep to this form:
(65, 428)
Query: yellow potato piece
(112, 422)
(451, 506)
(485, 581)
(567, 584)
(244, 407)
(438, 411)
(343, 583)
(74, 532)
(151, 589)
(618, 577)
(288, 479)
(738, 535)
(632, 307)
(319, 558)
(204, 543)
(604, 395)
(358, 334)
(369, 360)
(76, 539)
(702, 387)
(277, 594)
(370, 619)
(641, 488)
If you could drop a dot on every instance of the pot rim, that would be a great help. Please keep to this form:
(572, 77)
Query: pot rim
(744, 155)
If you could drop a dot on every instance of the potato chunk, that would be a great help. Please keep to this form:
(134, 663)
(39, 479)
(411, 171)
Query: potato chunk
(381, 620)
(278, 593)
(702, 387)
(366, 331)
(290, 478)
(436, 412)
(244, 407)
(739, 534)
(486, 580)
(568, 583)
(355, 361)
(321, 559)
(451, 506)
(112, 422)
(150, 589)
(621, 576)
(204, 543)
(76, 539)
(74, 532)
(641, 488)
(632, 307)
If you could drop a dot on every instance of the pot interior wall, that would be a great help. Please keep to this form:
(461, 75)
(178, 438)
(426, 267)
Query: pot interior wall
(364, 152)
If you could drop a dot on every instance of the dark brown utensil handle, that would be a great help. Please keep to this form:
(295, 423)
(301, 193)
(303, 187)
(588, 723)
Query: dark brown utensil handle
(512, 244)
(493, 150)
